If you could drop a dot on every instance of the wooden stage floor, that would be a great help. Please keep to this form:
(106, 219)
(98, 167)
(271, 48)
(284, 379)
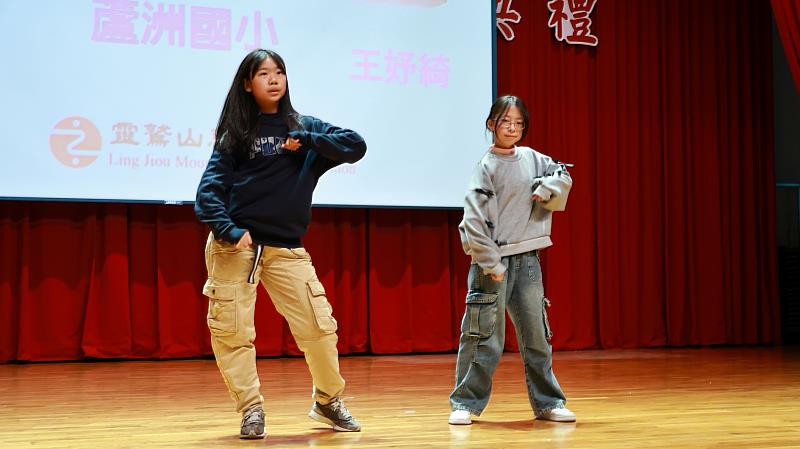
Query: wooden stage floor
(676, 398)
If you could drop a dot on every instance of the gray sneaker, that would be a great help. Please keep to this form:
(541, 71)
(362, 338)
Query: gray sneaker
(336, 415)
(253, 423)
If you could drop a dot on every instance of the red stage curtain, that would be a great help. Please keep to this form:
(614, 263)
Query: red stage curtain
(787, 18)
(669, 236)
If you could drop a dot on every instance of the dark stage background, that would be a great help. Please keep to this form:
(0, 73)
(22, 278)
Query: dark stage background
(668, 238)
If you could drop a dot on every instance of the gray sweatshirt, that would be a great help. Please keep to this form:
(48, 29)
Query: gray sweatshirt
(500, 216)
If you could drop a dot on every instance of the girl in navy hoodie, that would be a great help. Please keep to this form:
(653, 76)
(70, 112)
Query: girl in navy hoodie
(255, 195)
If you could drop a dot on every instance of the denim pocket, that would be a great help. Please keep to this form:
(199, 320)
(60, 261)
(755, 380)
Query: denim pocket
(534, 268)
(478, 281)
(481, 314)
(322, 309)
(222, 319)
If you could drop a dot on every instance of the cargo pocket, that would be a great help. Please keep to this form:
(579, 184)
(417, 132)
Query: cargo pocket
(222, 317)
(322, 309)
(300, 253)
(548, 334)
(481, 314)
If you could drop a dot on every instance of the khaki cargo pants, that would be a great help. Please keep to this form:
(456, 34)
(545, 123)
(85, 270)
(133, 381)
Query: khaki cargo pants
(292, 284)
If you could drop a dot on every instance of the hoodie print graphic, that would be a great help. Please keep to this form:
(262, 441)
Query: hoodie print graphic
(267, 146)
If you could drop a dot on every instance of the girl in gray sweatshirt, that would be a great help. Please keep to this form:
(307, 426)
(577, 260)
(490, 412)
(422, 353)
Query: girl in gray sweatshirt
(507, 219)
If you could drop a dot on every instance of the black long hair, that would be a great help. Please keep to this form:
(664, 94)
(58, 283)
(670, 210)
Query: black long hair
(501, 106)
(237, 122)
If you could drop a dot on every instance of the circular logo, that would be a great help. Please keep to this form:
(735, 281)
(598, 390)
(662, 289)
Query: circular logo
(75, 142)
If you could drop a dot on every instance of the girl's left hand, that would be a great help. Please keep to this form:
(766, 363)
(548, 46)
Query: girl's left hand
(497, 277)
(537, 198)
(292, 144)
(245, 242)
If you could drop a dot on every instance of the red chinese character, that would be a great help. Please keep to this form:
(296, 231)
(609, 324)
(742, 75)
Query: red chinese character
(570, 21)
(505, 15)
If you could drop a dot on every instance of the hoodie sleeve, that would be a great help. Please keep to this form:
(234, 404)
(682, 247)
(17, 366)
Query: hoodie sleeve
(211, 203)
(480, 214)
(336, 144)
(554, 186)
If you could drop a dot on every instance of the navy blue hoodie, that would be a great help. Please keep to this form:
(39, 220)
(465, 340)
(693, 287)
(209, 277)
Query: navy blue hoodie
(268, 190)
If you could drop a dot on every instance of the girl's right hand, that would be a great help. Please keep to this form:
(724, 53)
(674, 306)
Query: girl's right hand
(292, 144)
(245, 241)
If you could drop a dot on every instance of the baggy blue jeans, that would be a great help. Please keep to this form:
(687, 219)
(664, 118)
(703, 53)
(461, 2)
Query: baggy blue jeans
(521, 292)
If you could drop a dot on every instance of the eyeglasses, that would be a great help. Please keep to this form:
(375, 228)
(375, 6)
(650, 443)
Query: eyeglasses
(507, 124)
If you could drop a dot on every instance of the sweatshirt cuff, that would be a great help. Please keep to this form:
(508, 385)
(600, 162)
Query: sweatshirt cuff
(496, 270)
(543, 192)
(234, 235)
(302, 136)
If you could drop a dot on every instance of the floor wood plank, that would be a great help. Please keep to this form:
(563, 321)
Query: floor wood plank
(687, 398)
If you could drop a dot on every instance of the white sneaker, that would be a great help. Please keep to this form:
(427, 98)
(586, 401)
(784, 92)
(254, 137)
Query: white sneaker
(562, 414)
(460, 417)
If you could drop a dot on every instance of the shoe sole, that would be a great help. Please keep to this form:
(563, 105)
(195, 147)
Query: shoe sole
(556, 419)
(459, 423)
(325, 420)
(252, 436)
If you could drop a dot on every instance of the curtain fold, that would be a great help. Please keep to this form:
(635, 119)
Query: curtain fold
(668, 238)
(787, 19)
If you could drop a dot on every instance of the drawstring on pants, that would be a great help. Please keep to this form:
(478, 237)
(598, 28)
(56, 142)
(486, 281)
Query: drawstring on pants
(252, 278)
